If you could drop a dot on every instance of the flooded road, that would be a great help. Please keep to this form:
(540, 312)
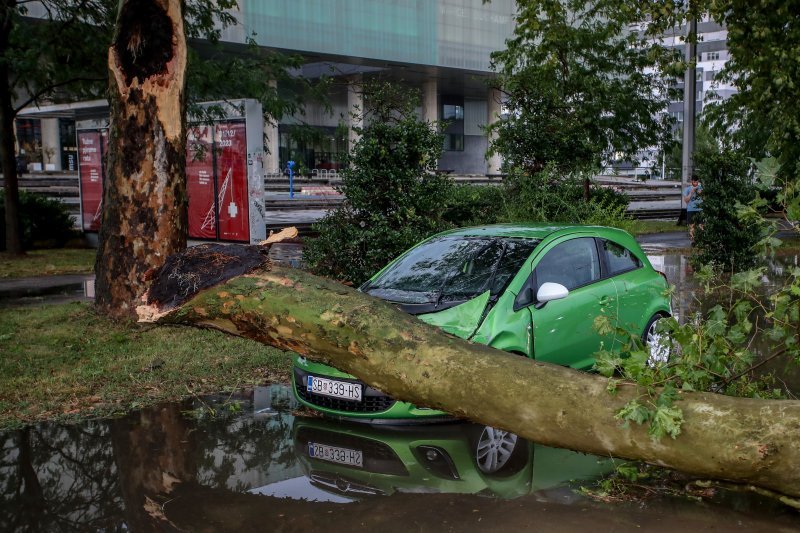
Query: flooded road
(256, 464)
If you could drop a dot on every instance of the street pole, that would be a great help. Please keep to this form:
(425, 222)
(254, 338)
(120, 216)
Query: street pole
(689, 97)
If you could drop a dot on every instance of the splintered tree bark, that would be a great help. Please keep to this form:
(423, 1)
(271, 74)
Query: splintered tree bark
(743, 440)
(144, 207)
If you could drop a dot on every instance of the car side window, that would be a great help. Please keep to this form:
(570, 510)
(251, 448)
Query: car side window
(573, 263)
(619, 259)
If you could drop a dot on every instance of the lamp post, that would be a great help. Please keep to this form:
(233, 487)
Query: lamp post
(689, 98)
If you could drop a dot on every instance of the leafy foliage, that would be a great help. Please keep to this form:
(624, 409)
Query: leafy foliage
(44, 221)
(719, 350)
(475, 205)
(549, 196)
(394, 197)
(723, 237)
(763, 117)
(579, 86)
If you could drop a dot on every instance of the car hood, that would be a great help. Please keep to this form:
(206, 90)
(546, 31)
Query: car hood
(461, 320)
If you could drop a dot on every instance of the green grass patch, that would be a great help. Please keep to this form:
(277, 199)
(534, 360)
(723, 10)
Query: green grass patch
(47, 262)
(646, 227)
(65, 361)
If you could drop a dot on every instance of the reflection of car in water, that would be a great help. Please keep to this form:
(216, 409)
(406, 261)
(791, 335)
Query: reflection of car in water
(357, 460)
(530, 290)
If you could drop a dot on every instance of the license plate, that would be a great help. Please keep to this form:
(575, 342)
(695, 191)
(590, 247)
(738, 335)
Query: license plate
(336, 389)
(334, 454)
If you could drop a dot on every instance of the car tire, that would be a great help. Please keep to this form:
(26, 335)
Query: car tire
(497, 452)
(658, 353)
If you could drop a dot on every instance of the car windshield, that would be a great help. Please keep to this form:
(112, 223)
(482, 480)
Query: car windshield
(452, 269)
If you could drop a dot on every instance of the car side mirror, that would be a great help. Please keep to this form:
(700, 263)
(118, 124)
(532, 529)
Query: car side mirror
(525, 296)
(550, 291)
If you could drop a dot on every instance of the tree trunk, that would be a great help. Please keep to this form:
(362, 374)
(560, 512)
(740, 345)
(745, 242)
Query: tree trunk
(7, 160)
(742, 440)
(144, 212)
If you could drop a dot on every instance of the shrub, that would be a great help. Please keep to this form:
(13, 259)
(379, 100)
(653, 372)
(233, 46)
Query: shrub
(549, 197)
(394, 197)
(44, 222)
(722, 237)
(474, 205)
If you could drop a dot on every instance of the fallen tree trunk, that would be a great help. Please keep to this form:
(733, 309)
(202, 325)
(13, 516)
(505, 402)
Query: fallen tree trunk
(742, 440)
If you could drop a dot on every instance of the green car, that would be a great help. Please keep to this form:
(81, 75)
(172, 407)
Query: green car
(532, 290)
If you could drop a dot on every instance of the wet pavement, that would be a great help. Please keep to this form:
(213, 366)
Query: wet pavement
(256, 464)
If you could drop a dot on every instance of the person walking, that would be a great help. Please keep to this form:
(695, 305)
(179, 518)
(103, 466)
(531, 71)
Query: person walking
(694, 203)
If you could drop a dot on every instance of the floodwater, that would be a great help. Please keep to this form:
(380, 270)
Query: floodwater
(256, 464)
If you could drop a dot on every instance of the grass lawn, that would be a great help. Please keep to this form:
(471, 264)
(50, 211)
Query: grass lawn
(65, 361)
(48, 262)
(645, 227)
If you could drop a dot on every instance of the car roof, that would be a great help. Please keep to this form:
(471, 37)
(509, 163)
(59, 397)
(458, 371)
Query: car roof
(533, 231)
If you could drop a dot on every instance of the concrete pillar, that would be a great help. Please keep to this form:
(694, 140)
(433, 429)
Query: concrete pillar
(271, 140)
(51, 144)
(430, 100)
(355, 108)
(494, 108)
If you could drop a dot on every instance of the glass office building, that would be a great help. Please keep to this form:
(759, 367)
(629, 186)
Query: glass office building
(441, 47)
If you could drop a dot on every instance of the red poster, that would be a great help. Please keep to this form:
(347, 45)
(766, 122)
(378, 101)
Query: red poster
(200, 184)
(231, 149)
(91, 178)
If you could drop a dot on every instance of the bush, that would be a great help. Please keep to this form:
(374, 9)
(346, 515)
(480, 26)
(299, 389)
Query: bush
(394, 197)
(45, 223)
(722, 237)
(549, 197)
(474, 205)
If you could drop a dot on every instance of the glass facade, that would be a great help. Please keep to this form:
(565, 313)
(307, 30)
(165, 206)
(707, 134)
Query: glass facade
(312, 148)
(447, 33)
(453, 117)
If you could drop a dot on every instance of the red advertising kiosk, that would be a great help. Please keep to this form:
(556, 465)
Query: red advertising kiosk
(224, 174)
(92, 148)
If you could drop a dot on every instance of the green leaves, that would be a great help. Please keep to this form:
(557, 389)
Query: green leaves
(578, 86)
(732, 226)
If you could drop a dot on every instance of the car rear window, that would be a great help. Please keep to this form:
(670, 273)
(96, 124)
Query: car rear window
(452, 269)
(619, 259)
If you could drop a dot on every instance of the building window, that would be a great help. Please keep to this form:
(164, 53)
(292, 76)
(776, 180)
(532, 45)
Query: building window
(453, 118)
(710, 75)
(712, 56)
(29, 138)
(453, 142)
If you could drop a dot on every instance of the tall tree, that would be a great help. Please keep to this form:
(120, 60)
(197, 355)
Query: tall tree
(57, 47)
(763, 42)
(580, 86)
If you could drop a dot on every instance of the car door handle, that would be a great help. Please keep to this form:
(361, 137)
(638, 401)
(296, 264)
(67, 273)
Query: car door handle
(605, 300)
